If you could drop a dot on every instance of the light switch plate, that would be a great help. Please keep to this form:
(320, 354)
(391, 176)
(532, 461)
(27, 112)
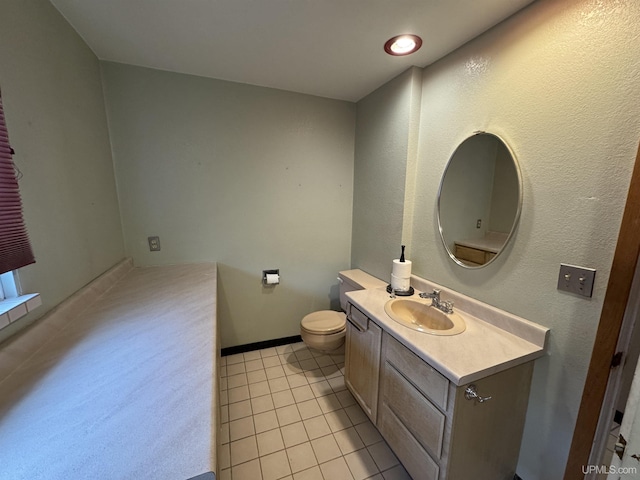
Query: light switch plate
(578, 280)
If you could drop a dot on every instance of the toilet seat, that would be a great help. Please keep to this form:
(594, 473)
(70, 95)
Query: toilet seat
(324, 322)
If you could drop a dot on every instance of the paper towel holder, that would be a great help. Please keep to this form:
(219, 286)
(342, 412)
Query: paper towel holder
(275, 271)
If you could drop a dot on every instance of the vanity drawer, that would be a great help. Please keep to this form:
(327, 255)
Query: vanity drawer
(471, 254)
(424, 377)
(418, 415)
(357, 318)
(414, 458)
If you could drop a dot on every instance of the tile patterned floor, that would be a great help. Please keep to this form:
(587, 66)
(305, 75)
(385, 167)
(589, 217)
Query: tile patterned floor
(286, 414)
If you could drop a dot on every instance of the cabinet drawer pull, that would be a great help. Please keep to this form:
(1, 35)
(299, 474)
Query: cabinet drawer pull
(471, 393)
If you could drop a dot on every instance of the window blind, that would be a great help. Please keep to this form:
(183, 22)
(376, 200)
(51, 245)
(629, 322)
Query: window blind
(15, 249)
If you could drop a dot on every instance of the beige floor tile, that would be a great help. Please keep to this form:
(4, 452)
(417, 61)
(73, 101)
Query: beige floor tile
(239, 409)
(257, 376)
(361, 464)
(329, 403)
(309, 364)
(269, 442)
(225, 456)
(294, 434)
(326, 448)
(309, 409)
(270, 362)
(321, 388)
(262, 404)
(243, 450)
(224, 413)
(283, 398)
(268, 352)
(368, 433)
(337, 383)
(314, 376)
(345, 398)
(275, 465)
(224, 433)
(336, 469)
(356, 415)
(348, 440)
(383, 456)
(274, 372)
(317, 427)
(302, 393)
(303, 354)
(253, 355)
(338, 420)
(259, 389)
(247, 471)
(301, 457)
(265, 421)
(396, 473)
(224, 383)
(235, 369)
(237, 380)
(312, 473)
(324, 360)
(297, 380)
(238, 394)
(241, 428)
(278, 384)
(282, 349)
(288, 415)
(292, 368)
(233, 359)
(254, 365)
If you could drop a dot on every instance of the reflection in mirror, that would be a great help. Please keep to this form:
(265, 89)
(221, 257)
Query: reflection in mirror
(479, 200)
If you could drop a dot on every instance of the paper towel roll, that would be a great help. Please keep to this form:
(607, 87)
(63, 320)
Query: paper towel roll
(401, 269)
(273, 279)
(400, 284)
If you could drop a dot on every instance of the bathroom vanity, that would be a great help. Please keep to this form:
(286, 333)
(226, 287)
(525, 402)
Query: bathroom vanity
(450, 407)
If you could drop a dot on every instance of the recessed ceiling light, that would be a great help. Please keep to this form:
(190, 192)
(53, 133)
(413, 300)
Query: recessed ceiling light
(402, 45)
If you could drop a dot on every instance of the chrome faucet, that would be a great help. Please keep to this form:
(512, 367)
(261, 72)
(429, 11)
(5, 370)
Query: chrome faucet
(446, 306)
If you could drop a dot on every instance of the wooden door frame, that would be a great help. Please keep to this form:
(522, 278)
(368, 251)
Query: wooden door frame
(613, 308)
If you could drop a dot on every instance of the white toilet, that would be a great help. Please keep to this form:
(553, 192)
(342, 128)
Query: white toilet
(325, 330)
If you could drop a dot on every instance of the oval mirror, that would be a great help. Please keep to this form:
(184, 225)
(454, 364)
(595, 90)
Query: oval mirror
(479, 200)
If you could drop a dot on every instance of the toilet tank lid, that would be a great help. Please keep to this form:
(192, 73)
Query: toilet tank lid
(324, 321)
(360, 279)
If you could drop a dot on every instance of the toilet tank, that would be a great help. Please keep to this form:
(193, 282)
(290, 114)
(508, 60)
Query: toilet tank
(356, 279)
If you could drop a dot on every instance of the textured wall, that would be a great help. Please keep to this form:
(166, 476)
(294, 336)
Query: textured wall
(385, 157)
(250, 177)
(54, 106)
(559, 82)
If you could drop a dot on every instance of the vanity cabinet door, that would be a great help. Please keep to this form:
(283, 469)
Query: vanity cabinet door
(362, 360)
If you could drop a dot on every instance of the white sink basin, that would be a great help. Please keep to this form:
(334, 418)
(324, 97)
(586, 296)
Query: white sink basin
(422, 317)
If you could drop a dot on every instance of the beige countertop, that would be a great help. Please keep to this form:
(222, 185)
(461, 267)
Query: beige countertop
(126, 390)
(481, 350)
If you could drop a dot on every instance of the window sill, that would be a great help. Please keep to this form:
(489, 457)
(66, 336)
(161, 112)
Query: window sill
(11, 309)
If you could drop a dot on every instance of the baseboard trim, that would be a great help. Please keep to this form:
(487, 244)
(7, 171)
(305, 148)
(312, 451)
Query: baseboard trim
(250, 347)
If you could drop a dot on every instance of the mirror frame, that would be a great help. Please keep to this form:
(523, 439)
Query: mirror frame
(516, 219)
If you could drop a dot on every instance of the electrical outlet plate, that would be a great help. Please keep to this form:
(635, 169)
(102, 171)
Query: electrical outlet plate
(154, 244)
(577, 280)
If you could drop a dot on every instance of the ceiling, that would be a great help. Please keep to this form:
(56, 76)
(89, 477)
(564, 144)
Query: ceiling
(329, 48)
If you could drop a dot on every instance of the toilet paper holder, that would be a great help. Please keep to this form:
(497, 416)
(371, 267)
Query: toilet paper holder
(271, 277)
